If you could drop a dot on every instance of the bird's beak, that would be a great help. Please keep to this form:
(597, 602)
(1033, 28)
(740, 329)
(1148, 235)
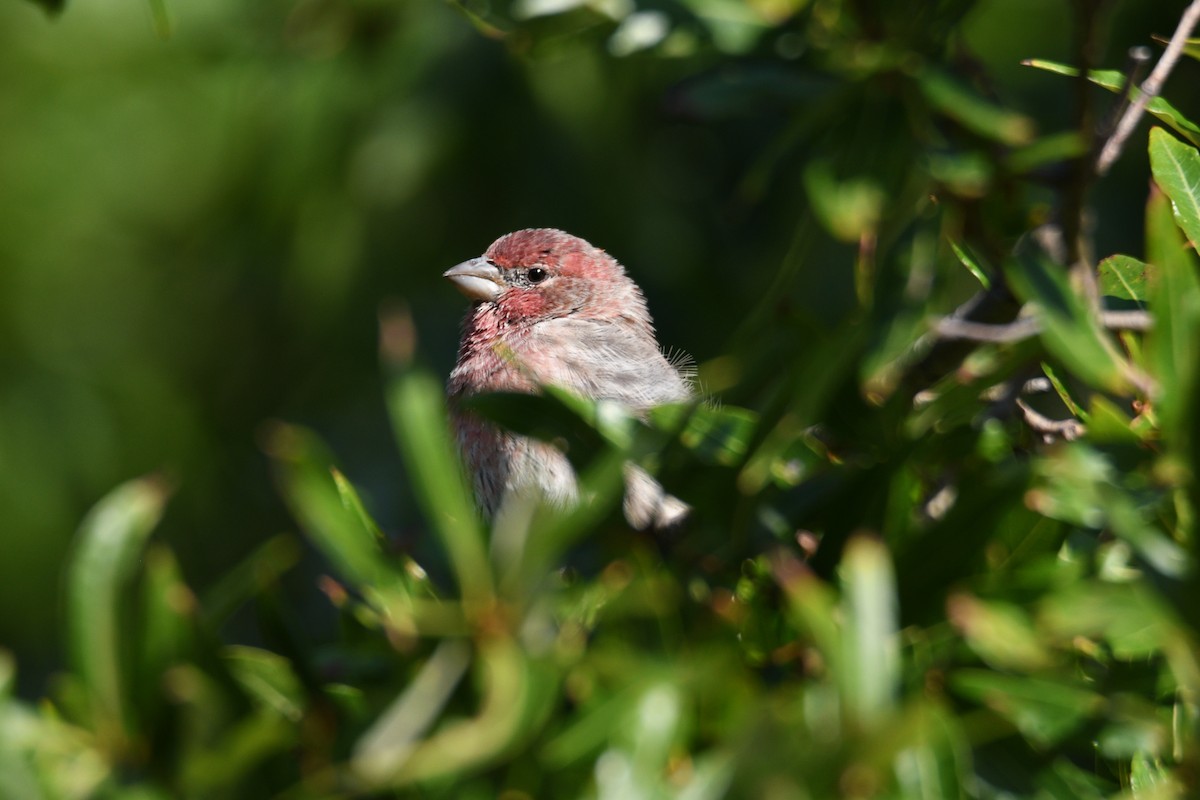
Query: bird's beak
(477, 279)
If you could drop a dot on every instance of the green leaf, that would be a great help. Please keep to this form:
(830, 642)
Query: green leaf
(1114, 81)
(1176, 169)
(1043, 710)
(255, 574)
(329, 511)
(416, 402)
(8, 674)
(1148, 778)
(1000, 633)
(107, 558)
(1171, 345)
(268, 678)
(1191, 47)
(1048, 150)
(1124, 278)
(969, 260)
(1127, 617)
(871, 666)
(167, 632)
(716, 435)
(1082, 486)
(516, 694)
(1069, 330)
(384, 750)
(849, 208)
(963, 104)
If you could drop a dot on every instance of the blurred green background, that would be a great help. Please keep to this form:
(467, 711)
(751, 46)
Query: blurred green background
(204, 205)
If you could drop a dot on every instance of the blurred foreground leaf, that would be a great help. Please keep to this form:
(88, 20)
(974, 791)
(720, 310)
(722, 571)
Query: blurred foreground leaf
(1070, 331)
(108, 556)
(417, 405)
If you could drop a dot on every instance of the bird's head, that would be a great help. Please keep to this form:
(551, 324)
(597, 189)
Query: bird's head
(542, 273)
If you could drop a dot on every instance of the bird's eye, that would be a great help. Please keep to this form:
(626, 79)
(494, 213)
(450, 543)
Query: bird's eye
(537, 274)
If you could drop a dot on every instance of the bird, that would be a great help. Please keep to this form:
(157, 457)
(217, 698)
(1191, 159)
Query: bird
(549, 308)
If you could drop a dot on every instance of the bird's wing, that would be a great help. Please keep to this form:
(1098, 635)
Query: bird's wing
(606, 360)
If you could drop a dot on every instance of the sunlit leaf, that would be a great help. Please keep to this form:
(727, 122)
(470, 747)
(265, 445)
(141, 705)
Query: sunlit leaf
(1176, 169)
(1124, 277)
(1115, 81)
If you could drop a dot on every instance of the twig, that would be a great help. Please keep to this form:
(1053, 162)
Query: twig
(1135, 66)
(1026, 327)
(1068, 429)
(1022, 328)
(1149, 89)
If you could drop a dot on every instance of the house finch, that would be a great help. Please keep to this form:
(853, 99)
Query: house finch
(549, 308)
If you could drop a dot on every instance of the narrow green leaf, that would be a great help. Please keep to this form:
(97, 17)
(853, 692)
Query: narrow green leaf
(106, 560)
(417, 405)
(384, 750)
(848, 207)
(1048, 150)
(1114, 81)
(1171, 345)
(1000, 633)
(1176, 169)
(1060, 389)
(8, 674)
(516, 694)
(871, 666)
(1127, 617)
(168, 624)
(1191, 47)
(966, 106)
(256, 573)
(219, 769)
(268, 678)
(1044, 710)
(162, 18)
(341, 530)
(968, 260)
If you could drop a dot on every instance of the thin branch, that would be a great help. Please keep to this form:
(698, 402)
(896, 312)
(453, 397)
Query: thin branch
(1135, 67)
(1150, 88)
(1022, 328)
(1027, 327)
(1068, 429)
